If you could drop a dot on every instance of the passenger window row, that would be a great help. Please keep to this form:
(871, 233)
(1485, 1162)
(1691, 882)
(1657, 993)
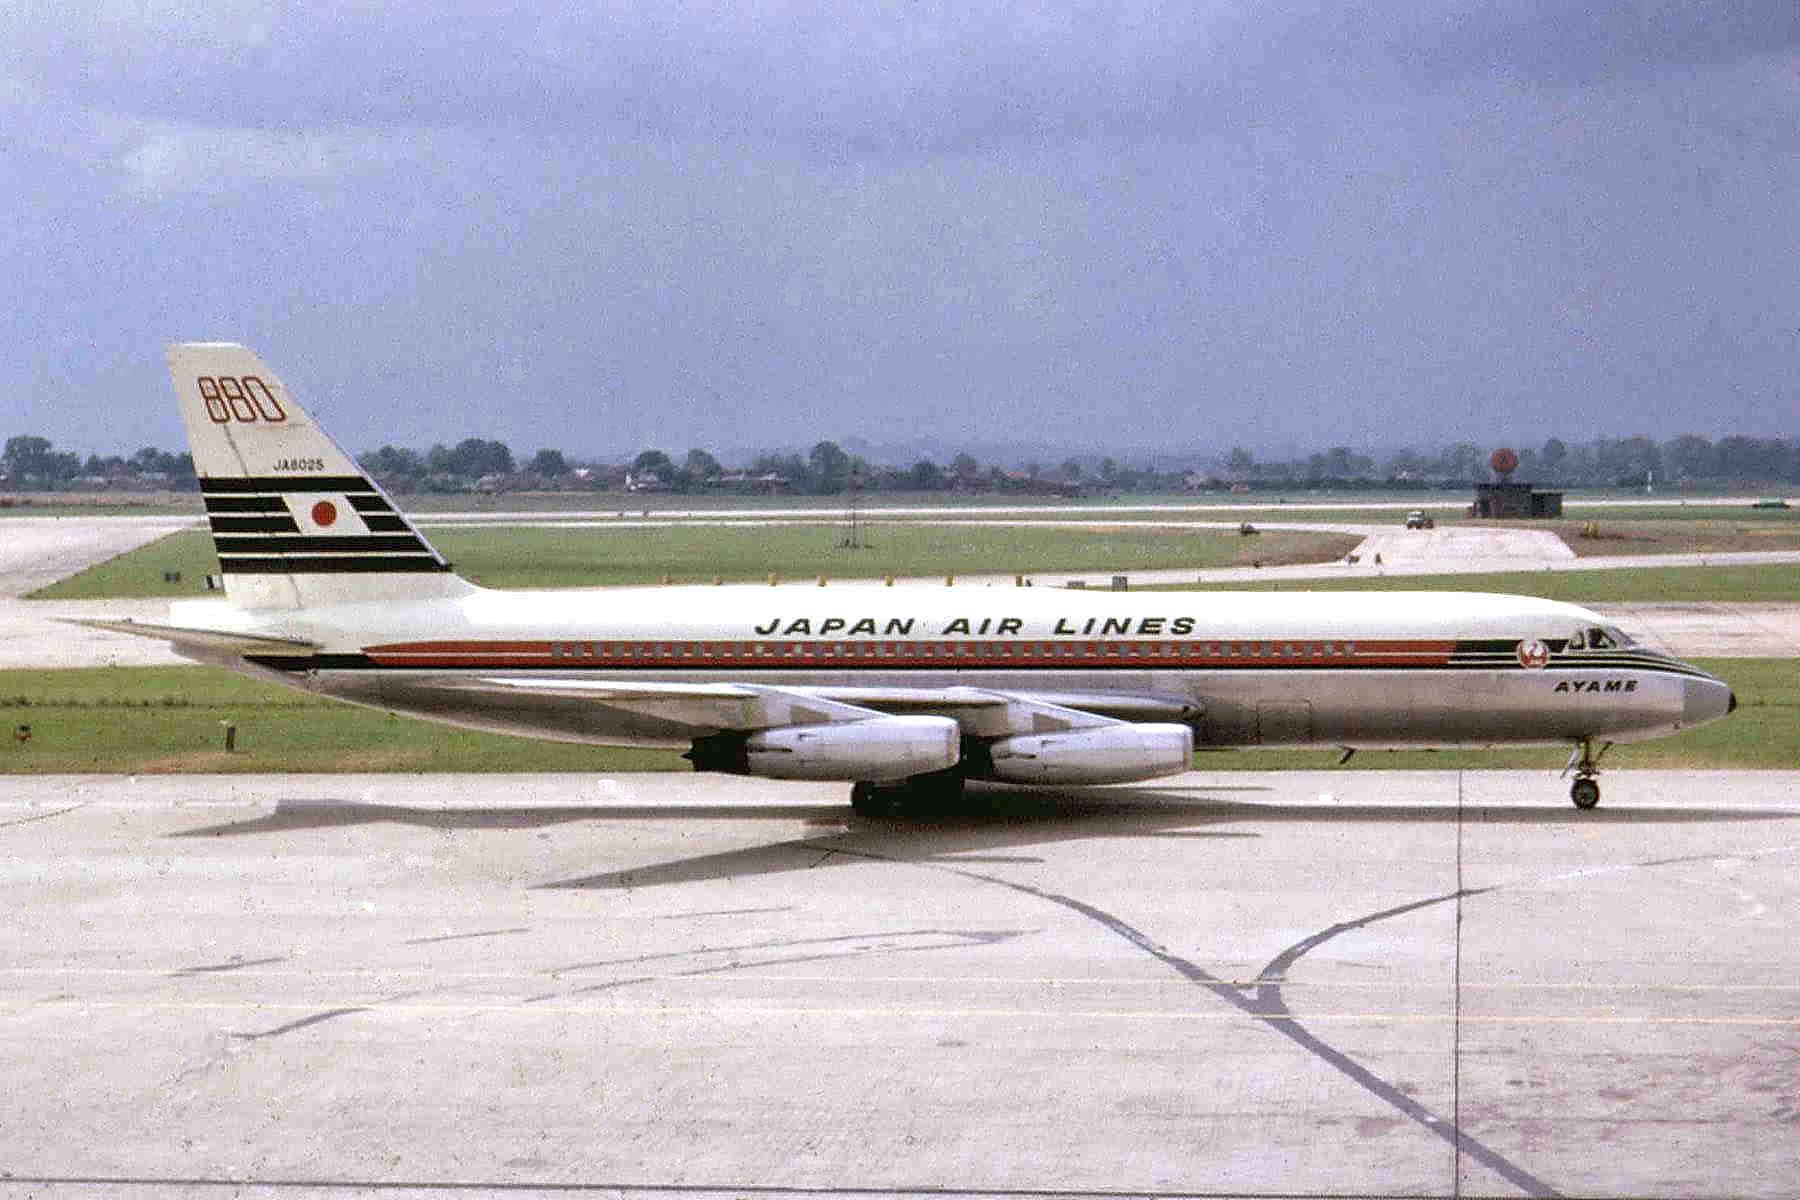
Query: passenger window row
(1033, 652)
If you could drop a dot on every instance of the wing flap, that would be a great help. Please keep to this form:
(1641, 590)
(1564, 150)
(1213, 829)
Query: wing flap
(981, 712)
(985, 712)
(722, 706)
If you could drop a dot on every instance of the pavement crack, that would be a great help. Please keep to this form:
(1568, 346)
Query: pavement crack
(913, 941)
(235, 964)
(461, 937)
(35, 817)
(1267, 1005)
(302, 1023)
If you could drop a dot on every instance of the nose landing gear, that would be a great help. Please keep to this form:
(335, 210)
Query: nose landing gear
(1585, 791)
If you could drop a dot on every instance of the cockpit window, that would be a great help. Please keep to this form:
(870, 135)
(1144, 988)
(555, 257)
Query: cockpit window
(1596, 638)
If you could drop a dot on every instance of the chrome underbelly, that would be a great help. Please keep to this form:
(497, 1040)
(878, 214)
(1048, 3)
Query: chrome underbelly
(1395, 708)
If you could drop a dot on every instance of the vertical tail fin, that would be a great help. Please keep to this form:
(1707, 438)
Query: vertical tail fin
(296, 522)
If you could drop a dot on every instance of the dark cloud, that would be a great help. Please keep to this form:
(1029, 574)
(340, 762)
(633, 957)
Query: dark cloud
(916, 76)
(1556, 40)
(1112, 225)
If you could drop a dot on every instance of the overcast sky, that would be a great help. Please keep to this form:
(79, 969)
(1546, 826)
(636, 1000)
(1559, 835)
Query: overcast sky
(1102, 225)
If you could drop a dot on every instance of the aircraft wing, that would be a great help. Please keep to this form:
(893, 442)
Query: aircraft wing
(717, 706)
(990, 712)
(981, 712)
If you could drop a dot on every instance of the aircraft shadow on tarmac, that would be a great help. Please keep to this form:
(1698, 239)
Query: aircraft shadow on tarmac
(998, 823)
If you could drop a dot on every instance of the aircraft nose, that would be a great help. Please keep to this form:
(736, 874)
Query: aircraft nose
(1706, 700)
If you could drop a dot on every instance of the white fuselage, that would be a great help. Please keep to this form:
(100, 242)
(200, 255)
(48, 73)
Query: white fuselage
(1241, 669)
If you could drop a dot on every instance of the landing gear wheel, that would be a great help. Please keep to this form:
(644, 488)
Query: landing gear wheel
(1585, 793)
(934, 796)
(917, 798)
(868, 800)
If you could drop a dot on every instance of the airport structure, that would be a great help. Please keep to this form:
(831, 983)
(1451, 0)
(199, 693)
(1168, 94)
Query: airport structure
(1508, 499)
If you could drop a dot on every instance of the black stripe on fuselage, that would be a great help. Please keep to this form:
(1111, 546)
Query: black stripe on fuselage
(617, 666)
(1506, 646)
(312, 662)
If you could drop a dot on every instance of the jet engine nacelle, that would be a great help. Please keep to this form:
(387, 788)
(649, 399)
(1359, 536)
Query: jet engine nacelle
(876, 750)
(1107, 754)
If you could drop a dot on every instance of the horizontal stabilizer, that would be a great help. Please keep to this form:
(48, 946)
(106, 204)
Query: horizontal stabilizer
(212, 641)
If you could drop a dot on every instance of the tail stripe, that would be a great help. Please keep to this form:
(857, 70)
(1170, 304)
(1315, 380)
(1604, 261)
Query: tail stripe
(285, 548)
(281, 524)
(403, 544)
(278, 484)
(244, 504)
(346, 565)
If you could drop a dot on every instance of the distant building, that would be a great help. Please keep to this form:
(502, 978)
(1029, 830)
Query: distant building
(1515, 500)
(645, 481)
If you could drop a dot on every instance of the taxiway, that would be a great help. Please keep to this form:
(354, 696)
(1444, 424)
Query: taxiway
(1369, 984)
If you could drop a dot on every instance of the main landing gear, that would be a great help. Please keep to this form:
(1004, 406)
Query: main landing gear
(921, 796)
(1585, 791)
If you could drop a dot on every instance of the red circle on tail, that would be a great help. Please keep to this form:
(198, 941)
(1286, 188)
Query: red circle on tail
(324, 513)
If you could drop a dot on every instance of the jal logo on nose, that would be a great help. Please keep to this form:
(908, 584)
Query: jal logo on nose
(1533, 655)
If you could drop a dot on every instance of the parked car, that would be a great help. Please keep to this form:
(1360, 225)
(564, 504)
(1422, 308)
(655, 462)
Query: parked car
(1416, 519)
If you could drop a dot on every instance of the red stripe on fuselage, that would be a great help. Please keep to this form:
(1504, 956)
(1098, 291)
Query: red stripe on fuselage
(1021, 652)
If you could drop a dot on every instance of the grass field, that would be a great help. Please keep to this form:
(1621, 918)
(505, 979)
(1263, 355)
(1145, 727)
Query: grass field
(148, 720)
(167, 719)
(1679, 533)
(1777, 583)
(506, 557)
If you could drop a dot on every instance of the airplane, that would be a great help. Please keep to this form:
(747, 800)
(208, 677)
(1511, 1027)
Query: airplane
(906, 693)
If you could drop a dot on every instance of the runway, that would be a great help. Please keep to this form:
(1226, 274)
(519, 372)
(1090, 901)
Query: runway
(1370, 984)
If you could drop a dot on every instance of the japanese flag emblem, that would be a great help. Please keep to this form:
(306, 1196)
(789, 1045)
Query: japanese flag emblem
(318, 515)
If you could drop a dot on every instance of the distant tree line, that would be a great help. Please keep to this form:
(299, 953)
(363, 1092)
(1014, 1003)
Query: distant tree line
(1603, 462)
(33, 463)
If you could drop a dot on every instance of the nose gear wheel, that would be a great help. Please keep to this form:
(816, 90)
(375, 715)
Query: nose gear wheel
(1585, 791)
